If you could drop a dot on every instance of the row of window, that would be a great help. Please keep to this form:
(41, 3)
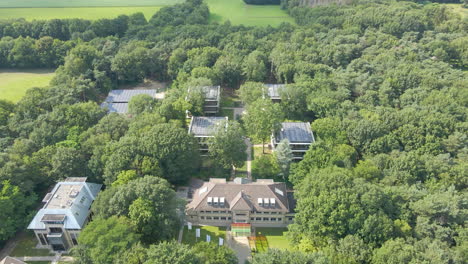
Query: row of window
(228, 212)
(266, 219)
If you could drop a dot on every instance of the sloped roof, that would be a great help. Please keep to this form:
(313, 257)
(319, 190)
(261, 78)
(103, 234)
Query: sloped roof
(124, 96)
(10, 260)
(241, 196)
(69, 200)
(205, 125)
(295, 132)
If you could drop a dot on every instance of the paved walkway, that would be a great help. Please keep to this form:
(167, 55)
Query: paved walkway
(54, 259)
(249, 158)
(241, 247)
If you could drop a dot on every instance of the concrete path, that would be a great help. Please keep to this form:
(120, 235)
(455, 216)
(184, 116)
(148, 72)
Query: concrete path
(238, 111)
(241, 247)
(249, 158)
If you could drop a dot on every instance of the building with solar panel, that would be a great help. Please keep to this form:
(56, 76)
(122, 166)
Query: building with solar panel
(117, 100)
(203, 128)
(65, 213)
(212, 97)
(260, 203)
(299, 135)
(273, 91)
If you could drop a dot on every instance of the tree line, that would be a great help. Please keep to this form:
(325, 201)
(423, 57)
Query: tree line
(383, 84)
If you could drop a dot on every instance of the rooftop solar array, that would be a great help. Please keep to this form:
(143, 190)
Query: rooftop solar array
(296, 132)
(124, 96)
(120, 108)
(204, 125)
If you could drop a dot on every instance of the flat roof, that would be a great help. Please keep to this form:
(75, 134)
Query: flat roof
(119, 108)
(204, 126)
(295, 132)
(124, 96)
(63, 196)
(274, 90)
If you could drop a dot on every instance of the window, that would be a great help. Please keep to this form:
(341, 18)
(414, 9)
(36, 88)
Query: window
(251, 218)
(202, 218)
(202, 212)
(241, 214)
(215, 212)
(290, 218)
(258, 219)
(42, 239)
(74, 238)
(266, 219)
(273, 213)
(229, 218)
(55, 230)
(216, 218)
(223, 218)
(273, 219)
(279, 219)
(208, 212)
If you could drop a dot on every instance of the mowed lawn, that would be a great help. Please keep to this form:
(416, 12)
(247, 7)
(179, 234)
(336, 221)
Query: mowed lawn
(90, 13)
(13, 84)
(250, 15)
(214, 232)
(85, 3)
(276, 238)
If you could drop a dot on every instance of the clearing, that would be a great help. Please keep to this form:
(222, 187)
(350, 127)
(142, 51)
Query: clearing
(214, 231)
(250, 15)
(269, 237)
(14, 83)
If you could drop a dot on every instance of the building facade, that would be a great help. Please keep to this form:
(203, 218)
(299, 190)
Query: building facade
(299, 135)
(212, 98)
(65, 213)
(273, 91)
(203, 128)
(263, 203)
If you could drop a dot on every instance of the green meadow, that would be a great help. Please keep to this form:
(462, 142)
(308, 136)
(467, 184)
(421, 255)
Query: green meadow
(84, 3)
(13, 84)
(76, 12)
(238, 13)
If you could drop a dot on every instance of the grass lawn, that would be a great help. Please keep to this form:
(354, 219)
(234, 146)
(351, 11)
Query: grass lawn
(26, 247)
(76, 12)
(13, 84)
(250, 15)
(214, 231)
(40, 262)
(257, 151)
(227, 112)
(276, 238)
(80, 3)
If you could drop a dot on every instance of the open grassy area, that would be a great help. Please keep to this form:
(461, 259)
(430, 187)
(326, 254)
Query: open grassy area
(90, 13)
(89, 3)
(275, 238)
(26, 247)
(214, 231)
(13, 84)
(251, 15)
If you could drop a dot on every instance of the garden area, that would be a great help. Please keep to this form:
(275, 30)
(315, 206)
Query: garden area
(268, 237)
(27, 247)
(214, 232)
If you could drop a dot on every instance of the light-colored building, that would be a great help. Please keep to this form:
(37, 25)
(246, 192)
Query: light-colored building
(299, 135)
(117, 100)
(65, 213)
(263, 203)
(273, 91)
(204, 127)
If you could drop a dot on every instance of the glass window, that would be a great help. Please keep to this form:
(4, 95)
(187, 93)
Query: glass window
(208, 218)
(216, 218)
(273, 219)
(229, 218)
(258, 218)
(215, 212)
(279, 219)
(203, 218)
(223, 218)
(55, 230)
(266, 219)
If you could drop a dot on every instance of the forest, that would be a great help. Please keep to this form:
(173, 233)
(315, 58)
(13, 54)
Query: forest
(383, 83)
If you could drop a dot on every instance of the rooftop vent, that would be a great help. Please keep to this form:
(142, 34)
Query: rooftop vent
(278, 191)
(74, 193)
(203, 190)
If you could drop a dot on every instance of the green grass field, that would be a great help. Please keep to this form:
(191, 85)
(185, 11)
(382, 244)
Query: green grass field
(215, 232)
(90, 13)
(13, 84)
(251, 15)
(276, 237)
(235, 11)
(26, 247)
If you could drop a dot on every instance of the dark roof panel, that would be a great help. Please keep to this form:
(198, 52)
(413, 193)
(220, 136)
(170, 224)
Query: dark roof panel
(119, 108)
(124, 96)
(295, 132)
(205, 125)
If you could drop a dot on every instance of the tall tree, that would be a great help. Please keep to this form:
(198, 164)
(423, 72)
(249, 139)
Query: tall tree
(284, 156)
(227, 146)
(263, 118)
